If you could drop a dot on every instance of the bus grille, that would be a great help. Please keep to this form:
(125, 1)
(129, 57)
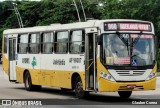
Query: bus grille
(130, 73)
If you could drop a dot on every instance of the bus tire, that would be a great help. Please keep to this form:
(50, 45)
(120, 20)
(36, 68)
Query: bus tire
(28, 83)
(79, 92)
(37, 87)
(124, 94)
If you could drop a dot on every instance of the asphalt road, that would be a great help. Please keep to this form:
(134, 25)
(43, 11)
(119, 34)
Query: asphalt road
(54, 96)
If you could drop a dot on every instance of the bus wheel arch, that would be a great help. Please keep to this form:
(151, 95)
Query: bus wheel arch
(28, 82)
(78, 86)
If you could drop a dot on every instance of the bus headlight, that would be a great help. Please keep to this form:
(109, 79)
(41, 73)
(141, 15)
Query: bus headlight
(106, 76)
(152, 75)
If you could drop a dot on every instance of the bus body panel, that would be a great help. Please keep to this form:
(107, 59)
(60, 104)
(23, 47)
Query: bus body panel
(5, 63)
(54, 78)
(5, 58)
(47, 72)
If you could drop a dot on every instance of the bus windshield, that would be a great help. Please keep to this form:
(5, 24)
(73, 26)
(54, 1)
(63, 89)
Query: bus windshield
(128, 49)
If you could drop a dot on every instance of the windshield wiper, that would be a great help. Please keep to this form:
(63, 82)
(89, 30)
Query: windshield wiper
(135, 42)
(124, 41)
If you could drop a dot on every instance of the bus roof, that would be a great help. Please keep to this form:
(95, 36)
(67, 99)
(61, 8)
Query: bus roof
(77, 25)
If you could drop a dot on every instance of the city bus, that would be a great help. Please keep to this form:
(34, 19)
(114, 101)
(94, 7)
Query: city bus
(116, 55)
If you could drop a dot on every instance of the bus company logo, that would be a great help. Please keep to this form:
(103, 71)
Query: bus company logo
(131, 73)
(34, 62)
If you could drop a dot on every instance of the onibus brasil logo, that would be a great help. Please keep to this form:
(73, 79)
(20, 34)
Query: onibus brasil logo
(34, 62)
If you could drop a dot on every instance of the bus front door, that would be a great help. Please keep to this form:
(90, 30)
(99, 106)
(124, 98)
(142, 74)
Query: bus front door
(12, 59)
(90, 61)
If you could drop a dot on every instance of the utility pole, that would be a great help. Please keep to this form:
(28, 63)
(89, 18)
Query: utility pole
(77, 10)
(83, 10)
(18, 16)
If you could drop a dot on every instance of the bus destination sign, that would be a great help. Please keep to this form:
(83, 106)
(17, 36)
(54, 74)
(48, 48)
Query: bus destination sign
(127, 26)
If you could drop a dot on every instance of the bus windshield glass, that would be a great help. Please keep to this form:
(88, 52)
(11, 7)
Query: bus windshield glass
(128, 49)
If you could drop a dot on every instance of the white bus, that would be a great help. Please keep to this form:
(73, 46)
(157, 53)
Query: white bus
(94, 56)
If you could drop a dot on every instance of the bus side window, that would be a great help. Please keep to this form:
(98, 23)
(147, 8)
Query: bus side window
(47, 45)
(34, 43)
(23, 44)
(5, 44)
(61, 42)
(77, 42)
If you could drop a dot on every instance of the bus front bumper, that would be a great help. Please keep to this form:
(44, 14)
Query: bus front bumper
(109, 86)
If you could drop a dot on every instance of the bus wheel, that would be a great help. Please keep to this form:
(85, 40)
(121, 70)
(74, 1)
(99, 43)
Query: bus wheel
(124, 94)
(28, 83)
(80, 93)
